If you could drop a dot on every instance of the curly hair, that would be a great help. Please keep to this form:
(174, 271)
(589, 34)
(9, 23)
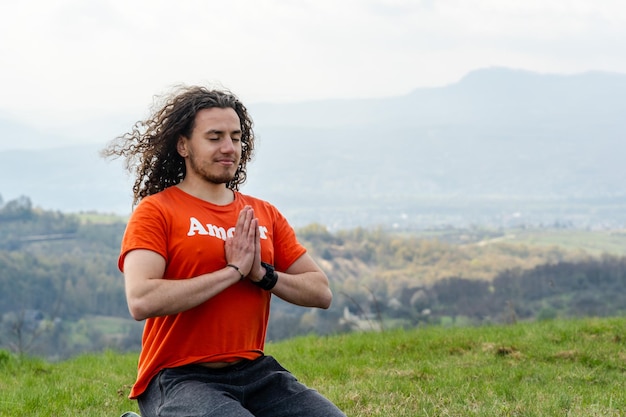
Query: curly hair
(149, 148)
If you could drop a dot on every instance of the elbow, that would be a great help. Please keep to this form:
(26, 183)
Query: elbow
(137, 315)
(325, 296)
(325, 300)
(138, 310)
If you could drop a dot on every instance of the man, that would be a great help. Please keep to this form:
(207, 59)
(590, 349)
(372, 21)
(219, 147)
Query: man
(201, 261)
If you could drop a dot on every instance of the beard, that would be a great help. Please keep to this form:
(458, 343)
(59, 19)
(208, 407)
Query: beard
(219, 175)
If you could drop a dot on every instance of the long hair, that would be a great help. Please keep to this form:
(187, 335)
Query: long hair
(149, 148)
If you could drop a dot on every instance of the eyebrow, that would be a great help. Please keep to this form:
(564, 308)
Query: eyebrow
(219, 132)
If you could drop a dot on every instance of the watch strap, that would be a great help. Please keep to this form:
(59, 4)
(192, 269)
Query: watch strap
(269, 279)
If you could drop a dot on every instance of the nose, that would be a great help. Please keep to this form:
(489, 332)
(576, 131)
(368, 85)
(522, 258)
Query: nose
(228, 146)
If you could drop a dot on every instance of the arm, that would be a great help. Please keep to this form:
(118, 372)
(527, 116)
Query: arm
(303, 284)
(149, 295)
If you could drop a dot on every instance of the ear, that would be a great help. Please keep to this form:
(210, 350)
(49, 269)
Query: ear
(181, 146)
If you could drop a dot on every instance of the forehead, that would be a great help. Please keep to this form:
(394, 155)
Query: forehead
(215, 118)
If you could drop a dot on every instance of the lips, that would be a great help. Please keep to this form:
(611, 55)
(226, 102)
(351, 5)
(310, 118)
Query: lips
(226, 161)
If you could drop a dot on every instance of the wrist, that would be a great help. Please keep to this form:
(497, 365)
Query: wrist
(236, 268)
(268, 279)
(258, 277)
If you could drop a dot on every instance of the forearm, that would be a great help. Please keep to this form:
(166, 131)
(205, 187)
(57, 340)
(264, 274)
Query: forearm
(307, 289)
(162, 297)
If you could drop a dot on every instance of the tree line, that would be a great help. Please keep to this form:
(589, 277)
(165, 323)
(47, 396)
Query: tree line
(58, 276)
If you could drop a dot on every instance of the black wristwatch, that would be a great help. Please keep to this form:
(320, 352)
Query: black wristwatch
(269, 279)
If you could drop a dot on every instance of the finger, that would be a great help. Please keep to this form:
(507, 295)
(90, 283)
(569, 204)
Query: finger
(257, 244)
(254, 226)
(254, 230)
(243, 221)
(243, 214)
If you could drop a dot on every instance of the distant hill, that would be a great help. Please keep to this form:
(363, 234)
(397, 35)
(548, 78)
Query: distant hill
(500, 146)
(68, 179)
(490, 97)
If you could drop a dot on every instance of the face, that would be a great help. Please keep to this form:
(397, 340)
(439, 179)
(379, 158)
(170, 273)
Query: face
(213, 151)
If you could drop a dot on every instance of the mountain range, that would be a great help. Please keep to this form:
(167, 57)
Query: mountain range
(499, 147)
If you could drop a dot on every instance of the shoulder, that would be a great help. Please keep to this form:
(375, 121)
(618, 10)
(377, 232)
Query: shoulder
(160, 199)
(161, 204)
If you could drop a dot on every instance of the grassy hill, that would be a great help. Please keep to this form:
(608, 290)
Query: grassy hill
(61, 293)
(551, 368)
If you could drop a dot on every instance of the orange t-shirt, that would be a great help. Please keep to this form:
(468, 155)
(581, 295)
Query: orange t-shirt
(190, 233)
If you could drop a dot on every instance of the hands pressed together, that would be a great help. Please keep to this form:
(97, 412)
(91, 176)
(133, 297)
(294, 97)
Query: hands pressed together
(243, 249)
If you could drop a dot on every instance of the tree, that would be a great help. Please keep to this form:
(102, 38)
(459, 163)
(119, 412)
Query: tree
(18, 209)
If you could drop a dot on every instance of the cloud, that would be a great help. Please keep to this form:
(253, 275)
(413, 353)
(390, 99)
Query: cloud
(70, 60)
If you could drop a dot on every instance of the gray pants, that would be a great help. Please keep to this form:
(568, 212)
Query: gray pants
(259, 388)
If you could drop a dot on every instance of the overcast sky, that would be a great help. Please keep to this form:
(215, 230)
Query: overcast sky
(67, 61)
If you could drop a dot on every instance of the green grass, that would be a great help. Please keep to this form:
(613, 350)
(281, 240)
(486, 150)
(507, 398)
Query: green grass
(552, 368)
(88, 385)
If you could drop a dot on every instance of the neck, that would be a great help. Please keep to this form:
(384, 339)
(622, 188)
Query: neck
(213, 193)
